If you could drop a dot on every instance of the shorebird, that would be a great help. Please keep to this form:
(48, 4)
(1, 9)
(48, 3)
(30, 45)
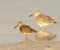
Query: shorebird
(42, 20)
(25, 29)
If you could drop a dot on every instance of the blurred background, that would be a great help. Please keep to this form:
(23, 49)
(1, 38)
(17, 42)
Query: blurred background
(12, 11)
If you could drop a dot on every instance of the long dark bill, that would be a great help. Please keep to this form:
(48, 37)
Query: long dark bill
(15, 26)
(30, 15)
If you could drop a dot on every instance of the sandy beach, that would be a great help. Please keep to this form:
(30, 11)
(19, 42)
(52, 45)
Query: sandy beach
(31, 45)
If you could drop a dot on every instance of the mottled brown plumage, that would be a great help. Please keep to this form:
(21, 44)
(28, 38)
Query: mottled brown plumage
(45, 19)
(27, 29)
(42, 20)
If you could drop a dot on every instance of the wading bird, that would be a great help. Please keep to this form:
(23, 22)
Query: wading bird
(25, 29)
(42, 20)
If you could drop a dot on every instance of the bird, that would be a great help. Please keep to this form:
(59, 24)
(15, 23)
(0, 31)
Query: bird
(25, 29)
(42, 20)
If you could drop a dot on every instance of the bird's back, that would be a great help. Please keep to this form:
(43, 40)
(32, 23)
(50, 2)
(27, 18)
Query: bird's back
(45, 19)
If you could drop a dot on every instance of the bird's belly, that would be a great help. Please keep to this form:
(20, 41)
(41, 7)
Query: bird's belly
(41, 24)
(28, 34)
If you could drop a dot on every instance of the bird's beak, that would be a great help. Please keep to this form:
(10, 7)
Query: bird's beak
(30, 15)
(15, 26)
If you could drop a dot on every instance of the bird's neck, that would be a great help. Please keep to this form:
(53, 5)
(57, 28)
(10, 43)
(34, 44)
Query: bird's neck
(35, 15)
(20, 25)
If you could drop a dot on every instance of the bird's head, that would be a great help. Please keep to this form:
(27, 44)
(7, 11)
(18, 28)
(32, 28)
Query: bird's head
(35, 14)
(19, 24)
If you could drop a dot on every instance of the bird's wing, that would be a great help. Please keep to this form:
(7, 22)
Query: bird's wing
(49, 19)
(45, 18)
(27, 29)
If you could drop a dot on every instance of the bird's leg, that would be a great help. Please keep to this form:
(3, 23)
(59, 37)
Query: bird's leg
(40, 28)
(26, 37)
(43, 28)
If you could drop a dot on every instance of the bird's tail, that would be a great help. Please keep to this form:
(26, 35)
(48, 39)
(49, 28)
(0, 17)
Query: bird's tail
(55, 22)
